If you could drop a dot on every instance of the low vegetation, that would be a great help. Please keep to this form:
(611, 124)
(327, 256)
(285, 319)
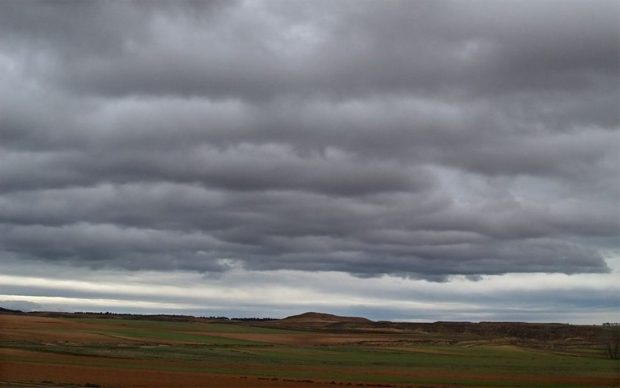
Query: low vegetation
(308, 350)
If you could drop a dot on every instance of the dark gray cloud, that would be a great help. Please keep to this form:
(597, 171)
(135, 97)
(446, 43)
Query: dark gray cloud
(418, 139)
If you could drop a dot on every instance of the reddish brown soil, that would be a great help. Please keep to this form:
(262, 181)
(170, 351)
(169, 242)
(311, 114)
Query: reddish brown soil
(109, 377)
(43, 329)
(304, 339)
(46, 330)
(112, 377)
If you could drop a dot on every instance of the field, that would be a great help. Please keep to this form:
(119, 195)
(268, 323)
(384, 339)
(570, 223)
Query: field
(308, 351)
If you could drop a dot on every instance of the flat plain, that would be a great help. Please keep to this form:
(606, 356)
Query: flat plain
(98, 350)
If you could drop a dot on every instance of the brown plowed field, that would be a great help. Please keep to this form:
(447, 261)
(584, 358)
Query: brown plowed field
(113, 377)
(110, 377)
(307, 339)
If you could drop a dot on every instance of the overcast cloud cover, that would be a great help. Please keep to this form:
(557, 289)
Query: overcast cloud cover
(230, 143)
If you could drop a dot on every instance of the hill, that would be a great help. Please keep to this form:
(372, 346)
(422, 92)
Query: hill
(532, 334)
(9, 311)
(323, 317)
(314, 320)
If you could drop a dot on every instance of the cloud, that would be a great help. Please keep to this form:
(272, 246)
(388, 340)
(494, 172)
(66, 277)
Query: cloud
(260, 50)
(424, 140)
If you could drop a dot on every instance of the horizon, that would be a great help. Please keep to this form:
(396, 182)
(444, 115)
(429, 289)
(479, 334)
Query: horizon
(146, 316)
(427, 160)
(247, 307)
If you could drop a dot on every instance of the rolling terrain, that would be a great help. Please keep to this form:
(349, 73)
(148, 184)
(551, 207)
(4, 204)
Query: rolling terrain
(311, 349)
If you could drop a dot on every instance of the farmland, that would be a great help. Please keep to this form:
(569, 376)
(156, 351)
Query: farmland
(308, 350)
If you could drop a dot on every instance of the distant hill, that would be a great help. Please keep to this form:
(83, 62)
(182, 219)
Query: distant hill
(322, 317)
(9, 311)
(517, 332)
(314, 320)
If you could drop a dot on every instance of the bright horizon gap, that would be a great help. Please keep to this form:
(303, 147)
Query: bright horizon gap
(384, 298)
(147, 309)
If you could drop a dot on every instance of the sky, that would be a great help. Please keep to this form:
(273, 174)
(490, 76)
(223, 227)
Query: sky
(399, 160)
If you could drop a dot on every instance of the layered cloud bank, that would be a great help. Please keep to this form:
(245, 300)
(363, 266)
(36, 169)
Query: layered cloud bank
(419, 140)
(582, 298)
